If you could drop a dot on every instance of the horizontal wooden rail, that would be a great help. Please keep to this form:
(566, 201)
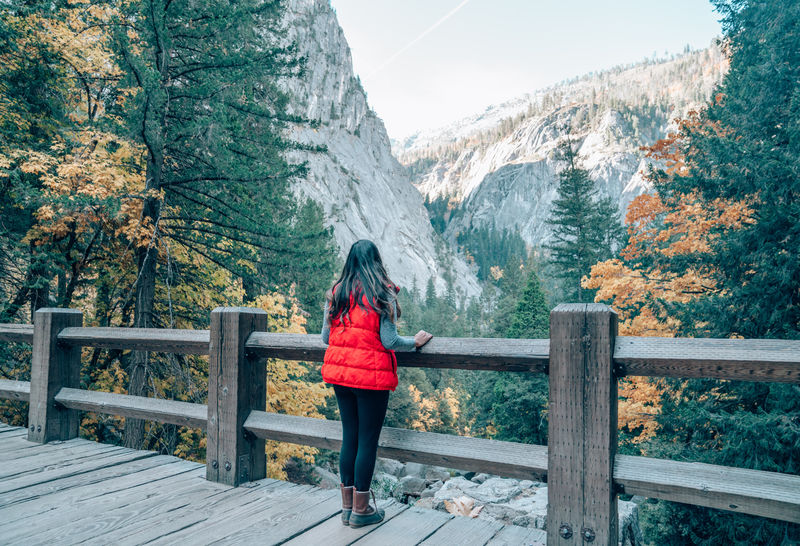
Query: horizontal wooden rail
(770, 494)
(20, 333)
(165, 340)
(519, 355)
(138, 407)
(735, 359)
(15, 390)
(503, 458)
(771, 360)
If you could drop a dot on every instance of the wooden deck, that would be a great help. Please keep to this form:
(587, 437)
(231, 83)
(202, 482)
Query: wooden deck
(78, 491)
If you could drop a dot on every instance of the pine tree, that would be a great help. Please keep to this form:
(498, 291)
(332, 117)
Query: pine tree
(532, 316)
(211, 117)
(586, 229)
(742, 152)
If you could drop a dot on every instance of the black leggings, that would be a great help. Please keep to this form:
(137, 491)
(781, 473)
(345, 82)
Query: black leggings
(362, 412)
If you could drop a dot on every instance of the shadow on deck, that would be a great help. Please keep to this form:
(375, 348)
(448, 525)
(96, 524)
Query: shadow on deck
(78, 491)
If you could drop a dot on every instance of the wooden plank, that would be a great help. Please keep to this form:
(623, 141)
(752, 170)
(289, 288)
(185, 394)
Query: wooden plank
(52, 367)
(64, 508)
(506, 459)
(411, 527)
(600, 423)
(165, 340)
(771, 360)
(514, 535)
(211, 522)
(516, 355)
(140, 407)
(130, 513)
(769, 494)
(331, 532)
(15, 390)
(53, 487)
(462, 530)
(12, 432)
(18, 446)
(566, 422)
(80, 467)
(237, 384)
(285, 520)
(55, 458)
(17, 333)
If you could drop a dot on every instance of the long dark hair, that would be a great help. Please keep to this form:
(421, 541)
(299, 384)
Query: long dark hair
(363, 275)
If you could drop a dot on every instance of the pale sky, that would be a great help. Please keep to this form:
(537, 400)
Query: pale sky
(425, 63)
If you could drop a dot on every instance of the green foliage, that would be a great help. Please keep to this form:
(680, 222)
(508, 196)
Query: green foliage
(490, 247)
(586, 228)
(744, 148)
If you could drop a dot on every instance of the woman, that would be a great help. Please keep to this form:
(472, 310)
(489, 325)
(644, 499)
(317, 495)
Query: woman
(360, 329)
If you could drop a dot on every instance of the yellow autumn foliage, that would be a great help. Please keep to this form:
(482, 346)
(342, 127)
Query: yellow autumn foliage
(288, 390)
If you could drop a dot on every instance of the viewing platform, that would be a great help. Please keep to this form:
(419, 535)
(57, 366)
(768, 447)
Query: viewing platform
(56, 488)
(81, 492)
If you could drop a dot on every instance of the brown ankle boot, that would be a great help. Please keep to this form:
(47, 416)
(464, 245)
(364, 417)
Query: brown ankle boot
(363, 513)
(347, 502)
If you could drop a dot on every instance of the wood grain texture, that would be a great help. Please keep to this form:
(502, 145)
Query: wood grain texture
(18, 333)
(600, 425)
(463, 530)
(566, 421)
(140, 407)
(512, 535)
(53, 366)
(165, 340)
(286, 519)
(771, 360)
(15, 390)
(770, 494)
(237, 383)
(506, 459)
(411, 527)
(331, 532)
(518, 355)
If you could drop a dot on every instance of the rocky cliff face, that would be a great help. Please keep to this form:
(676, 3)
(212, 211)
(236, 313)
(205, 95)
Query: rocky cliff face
(363, 190)
(500, 167)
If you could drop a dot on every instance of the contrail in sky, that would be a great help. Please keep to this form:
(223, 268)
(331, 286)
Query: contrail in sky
(410, 44)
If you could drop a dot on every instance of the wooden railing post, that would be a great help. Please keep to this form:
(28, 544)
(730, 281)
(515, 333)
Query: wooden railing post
(582, 439)
(53, 366)
(236, 385)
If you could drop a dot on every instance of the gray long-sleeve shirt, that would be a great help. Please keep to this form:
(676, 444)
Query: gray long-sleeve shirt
(390, 339)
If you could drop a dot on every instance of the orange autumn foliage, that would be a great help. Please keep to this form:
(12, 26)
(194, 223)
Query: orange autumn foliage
(634, 284)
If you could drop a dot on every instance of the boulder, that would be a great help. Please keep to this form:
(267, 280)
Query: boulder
(415, 469)
(389, 466)
(436, 473)
(411, 485)
(480, 478)
(431, 490)
(384, 485)
(325, 478)
(496, 490)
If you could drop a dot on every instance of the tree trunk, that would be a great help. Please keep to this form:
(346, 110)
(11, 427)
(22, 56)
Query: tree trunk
(147, 258)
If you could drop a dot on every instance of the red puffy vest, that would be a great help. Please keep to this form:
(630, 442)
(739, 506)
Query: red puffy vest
(355, 356)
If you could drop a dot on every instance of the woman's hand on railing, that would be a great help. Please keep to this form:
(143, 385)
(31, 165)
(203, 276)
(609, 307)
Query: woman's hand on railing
(421, 338)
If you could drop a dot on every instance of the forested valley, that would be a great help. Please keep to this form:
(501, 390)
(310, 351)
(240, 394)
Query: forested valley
(144, 179)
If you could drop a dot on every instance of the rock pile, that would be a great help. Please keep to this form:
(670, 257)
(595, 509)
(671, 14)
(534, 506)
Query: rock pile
(517, 502)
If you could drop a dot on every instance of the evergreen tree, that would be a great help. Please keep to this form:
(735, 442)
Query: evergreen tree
(210, 116)
(586, 229)
(532, 316)
(743, 150)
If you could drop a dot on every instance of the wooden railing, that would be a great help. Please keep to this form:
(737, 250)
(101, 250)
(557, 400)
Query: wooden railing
(583, 358)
